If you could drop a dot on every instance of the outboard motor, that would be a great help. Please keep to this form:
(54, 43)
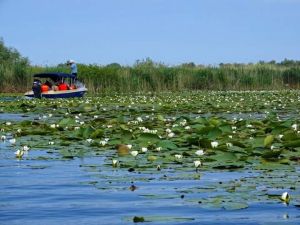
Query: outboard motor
(36, 88)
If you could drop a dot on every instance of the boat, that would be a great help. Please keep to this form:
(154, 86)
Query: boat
(61, 85)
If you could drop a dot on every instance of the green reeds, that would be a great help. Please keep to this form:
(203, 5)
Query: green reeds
(148, 76)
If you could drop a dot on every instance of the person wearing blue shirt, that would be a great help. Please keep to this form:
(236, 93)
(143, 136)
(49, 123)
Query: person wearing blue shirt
(73, 67)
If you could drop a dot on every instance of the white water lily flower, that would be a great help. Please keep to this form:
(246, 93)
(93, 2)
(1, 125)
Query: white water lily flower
(178, 156)
(106, 139)
(25, 148)
(280, 136)
(81, 122)
(2, 130)
(19, 130)
(8, 123)
(233, 128)
(76, 128)
(197, 163)
(52, 125)
(89, 140)
(158, 149)
(19, 153)
(285, 197)
(139, 119)
(129, 146)
(51, 142)
(103, 143)
(109, 126)
(230, 136)
(214, 144)
(229, 144)
(199, 152)
(12, 141)
(50, 115)
(168, 130)
(3, 137)
(187, 127)
(295, 126)
(144, 149)
(134, 153)
(115, 162)
(96, 116)
(170, 135)
(183, 123)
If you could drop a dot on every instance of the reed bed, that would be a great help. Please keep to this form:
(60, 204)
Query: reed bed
(148, 76)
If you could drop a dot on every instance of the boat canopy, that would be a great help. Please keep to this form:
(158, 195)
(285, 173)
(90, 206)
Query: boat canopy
(54, 76)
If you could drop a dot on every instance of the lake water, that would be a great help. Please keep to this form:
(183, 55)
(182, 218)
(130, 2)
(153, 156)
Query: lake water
(44, 188)
(89, 191)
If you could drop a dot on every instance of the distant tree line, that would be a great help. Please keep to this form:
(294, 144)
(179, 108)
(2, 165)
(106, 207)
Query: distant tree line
(147, 75)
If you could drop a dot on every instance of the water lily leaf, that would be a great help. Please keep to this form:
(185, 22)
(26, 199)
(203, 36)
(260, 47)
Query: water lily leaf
(192, 140)
(66, 154)
(204, 143)
(200, 120)
(295, 143)
(84, 132)
(224, 157)
(214, 133)
(214, 121)
(271, 154)
(67, 122)
(268, 140)
(235, 205)
(198, 127)
(166, 144)
(226, 128)
(25, 123)
(238, 144)
(257, 142)
(151, 158)
(98, 133)
(124, 127)
(257, 123)
(160, 117)
(148, 137)
(228, 165)
(289, 136)
(278, 129)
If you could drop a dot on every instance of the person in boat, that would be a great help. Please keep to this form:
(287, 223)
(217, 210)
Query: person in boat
(49, 84)
(36, 88)
(63, 86)
(73, 67)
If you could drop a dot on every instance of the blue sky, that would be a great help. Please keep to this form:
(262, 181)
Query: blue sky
(49, 32)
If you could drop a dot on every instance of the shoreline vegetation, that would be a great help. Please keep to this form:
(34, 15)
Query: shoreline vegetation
(149, 76)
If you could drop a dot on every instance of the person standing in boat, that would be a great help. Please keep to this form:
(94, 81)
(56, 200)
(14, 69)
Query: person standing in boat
(73, 67)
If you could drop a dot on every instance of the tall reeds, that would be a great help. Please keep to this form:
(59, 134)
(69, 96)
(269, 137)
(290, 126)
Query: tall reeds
(146, 75)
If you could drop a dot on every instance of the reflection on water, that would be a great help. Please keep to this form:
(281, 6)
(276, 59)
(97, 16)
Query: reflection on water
(88, 191)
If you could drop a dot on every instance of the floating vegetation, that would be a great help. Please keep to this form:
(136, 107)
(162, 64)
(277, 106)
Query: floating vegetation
(172, 137)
